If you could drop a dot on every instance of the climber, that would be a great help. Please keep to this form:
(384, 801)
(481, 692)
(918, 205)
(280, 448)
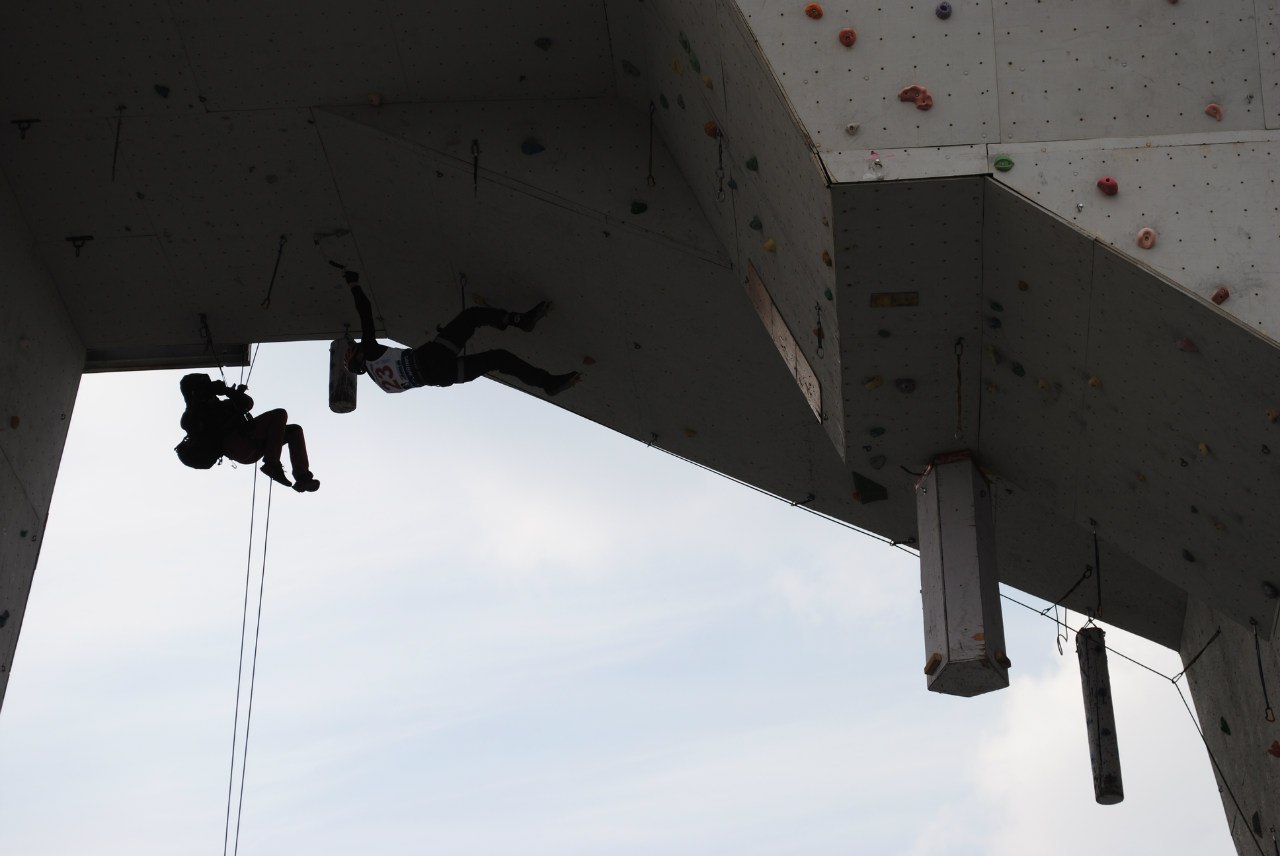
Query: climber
(440, 362)
(222, 427)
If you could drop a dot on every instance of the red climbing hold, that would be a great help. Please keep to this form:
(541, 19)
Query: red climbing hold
(1220, 295)
(1273, 415)
(1146, 238)
(711, 129)
(813, 10)
(1274, 749)
(848, 36)
(917, 94)
(1108, 185)
(1214, 110)
(1186, 345)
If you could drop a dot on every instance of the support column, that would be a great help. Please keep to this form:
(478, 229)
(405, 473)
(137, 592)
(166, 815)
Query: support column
(963, 625)
(1231, 704)
(41, 359)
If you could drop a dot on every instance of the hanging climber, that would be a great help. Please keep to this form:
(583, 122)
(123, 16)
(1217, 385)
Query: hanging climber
(440, 362)
(218, 425)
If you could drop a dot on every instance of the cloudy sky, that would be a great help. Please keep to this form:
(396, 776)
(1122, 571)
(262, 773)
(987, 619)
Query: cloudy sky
(499, 628)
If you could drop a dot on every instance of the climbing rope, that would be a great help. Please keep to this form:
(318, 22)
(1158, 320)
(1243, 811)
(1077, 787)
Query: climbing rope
(652, 181)
(266, 301)
(253, 673)
(209, 346)
(1262, 676)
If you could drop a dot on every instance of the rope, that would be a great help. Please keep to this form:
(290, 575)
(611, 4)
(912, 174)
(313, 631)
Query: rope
(1262, 675)
(1173, 680)
(651, 180)
(266, 301)
(244, 621)
(209, 346)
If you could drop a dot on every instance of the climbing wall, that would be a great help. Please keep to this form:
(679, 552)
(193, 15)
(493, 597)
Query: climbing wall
(750, 165)
(40, 361)
(1210, 205)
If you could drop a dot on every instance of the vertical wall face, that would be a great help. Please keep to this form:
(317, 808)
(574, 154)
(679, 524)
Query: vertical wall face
(41, 358)
(1228, 692)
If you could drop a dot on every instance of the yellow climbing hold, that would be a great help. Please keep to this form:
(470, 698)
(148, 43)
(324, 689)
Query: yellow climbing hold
(1095, 382)
(1204, 450)
(770, 245)
(874, 382)
(690, 433)
(677, 66)
(706, 81)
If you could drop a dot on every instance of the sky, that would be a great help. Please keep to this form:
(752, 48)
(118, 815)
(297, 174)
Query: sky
(500, 628)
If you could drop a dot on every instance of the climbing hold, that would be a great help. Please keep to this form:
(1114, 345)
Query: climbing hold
(1186, 345)
(852, 128)
(630, 68)
(662, 99)
(733, 184)
(1023, 285)
(14, 421)
(1095, 382)
(755, 223)
(752, 164)
(706, 81)
(1188, 555)
(694, 64)
(680, 101)
(1203, 448)
(994, 323)
(905, 385)
(690, 433)
(162, 90)
(1108, 185)
(588, 360)
(1214, 110)
(876, 431)
(1018, 369)
(711, 129)
(813, 10)
(876, 461)
(1004, 163)
(638, 207)
(920, 97)
(1270, 591)
(770, 245)
(542, 43)
(993, 388)
(1274, 750)
(1142, 478)
(1222, 723)
(995, 306)
(1146, 238)
(826, 292)
(532, 147)
(684, 41)
(1044, 384)
(375, 99)
(873, 382)
(1220, 295)
(943, 11)
(848, 36)
(994, 353)
(826, 260)
(883, 334)
(676, 65)
(22, 533)
(1273, 415)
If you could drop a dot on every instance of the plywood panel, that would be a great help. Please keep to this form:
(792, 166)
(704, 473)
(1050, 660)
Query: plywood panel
(1212, 204)
(1097, 68)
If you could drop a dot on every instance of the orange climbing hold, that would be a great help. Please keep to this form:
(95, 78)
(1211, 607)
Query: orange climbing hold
(1214, 110)
(1274, 749)
(711, 129)
(813, 10)
(1273, 414)
(848, 36)
(1146, 238)
(918, 95)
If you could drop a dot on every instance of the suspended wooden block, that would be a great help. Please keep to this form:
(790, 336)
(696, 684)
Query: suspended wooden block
(1099, 715)
(963, 625)
(342, 382)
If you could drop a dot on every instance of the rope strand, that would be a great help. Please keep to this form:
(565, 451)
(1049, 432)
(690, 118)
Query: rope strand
(244, 620)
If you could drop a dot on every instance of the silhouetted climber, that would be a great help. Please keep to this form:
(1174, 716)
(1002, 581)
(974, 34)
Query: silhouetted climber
(222, 427)
(440, 361)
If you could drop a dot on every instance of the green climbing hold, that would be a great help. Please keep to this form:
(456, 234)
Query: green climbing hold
(684, 42)
(1018, 369)
(996, 307)
(639, 207)
(22, 533)
(877, 431)
(1222, 723)
(662, 99)
(826, 292)
(752, 164)
(694, 64)
(630, 68)
(756, 224)
(1004, 163)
